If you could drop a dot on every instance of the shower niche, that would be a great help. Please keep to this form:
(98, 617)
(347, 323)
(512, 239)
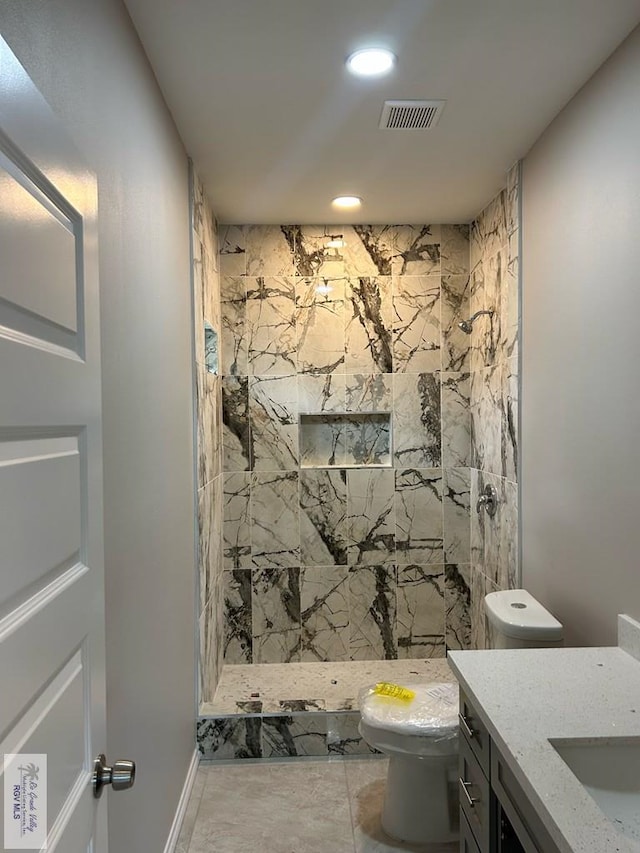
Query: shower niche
(345, 440)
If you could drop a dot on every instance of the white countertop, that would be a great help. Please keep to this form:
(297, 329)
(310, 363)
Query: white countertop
(526, 697)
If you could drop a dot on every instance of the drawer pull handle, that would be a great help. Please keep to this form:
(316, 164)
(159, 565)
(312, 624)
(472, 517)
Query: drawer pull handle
(465, 787)
(465, 725)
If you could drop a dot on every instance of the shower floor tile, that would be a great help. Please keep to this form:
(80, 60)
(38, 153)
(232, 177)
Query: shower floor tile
(273, 688)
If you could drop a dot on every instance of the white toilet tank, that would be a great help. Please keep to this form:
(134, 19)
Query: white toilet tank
(518, 621)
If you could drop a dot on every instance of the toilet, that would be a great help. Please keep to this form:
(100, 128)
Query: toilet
(421, 737)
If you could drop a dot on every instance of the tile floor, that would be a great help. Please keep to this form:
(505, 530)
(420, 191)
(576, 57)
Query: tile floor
(302, 806)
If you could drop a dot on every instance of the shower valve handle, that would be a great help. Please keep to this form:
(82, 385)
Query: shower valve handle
(488, 501)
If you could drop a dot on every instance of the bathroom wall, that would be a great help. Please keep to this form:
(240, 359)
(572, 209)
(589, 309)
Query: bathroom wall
(206, 301)
(493, 366)
(581, 407)
(367, 554)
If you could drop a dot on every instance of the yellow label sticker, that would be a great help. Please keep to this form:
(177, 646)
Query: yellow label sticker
(394, 691)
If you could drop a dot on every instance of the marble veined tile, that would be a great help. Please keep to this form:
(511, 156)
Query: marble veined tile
(236, 435)
(234, 346)
(207, 389)
(325, 393)
(510, 301)
(495, 276)
(454, 249)
(271, 326)
(418, 510)
(416, 249)
(456, 345)
(320, 325)
(371, 517)
(416, 420)
(233, 254)
(208, 550)
(273, 402)
(324, 606)
(367, 439)
(457, 523)
(495, 224)
(343, 735)
(276, 615)
(509, 436)
(298, 734)
(312, 254)
(322, 441)
(370, 392)
(372, 630)
(416, 323)
(456, 420)
(420, 611)
(323, 518)
(513, 198)
(269, 250)
(369, 319)
(508, 559)
(275, 528)
(481, 586)
(457, 598)
(237, 617)
(229, 737)
(486, 419)
(236, 525)
(368, 250)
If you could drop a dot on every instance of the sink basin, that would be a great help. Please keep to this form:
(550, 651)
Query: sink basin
(609, 770)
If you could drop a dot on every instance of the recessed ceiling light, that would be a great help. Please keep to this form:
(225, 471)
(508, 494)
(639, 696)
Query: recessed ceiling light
(335, 244)
(371, 62)
(347, 201)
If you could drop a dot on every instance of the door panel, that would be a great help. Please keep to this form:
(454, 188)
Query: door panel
(37, 253)
(36, 473)
(51, 551)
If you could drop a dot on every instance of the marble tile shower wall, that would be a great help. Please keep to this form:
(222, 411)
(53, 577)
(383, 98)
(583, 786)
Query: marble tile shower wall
(206, 282)
(493, 366)
(353, 558)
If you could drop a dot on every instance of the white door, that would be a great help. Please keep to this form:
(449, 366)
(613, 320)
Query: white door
(52, 682)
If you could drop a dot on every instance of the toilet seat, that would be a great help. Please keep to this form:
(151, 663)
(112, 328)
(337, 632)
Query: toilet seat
(427, 726)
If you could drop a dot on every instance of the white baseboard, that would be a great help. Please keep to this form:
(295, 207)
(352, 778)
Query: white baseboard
(172, 840)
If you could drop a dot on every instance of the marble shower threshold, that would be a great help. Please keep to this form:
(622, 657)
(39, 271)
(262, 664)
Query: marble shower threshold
(298, 709)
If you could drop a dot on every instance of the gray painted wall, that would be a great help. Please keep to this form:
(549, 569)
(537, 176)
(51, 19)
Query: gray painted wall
(88, 63)
(581, 356)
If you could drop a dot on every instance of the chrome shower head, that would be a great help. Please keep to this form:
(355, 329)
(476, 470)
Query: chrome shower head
(467, 325)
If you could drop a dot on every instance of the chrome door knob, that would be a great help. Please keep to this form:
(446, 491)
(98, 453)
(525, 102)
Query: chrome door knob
(121, 776)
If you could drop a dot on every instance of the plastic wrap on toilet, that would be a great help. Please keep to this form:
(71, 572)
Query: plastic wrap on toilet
(432, 712)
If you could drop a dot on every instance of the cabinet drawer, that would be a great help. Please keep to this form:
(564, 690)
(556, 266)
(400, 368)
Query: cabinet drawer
(475, 732)
(475, 795)
(468, 843)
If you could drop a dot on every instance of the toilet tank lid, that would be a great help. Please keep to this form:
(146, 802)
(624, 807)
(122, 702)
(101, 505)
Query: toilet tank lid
(517, 614)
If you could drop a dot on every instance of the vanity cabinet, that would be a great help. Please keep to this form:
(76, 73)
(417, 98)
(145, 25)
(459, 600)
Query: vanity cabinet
(495, 814)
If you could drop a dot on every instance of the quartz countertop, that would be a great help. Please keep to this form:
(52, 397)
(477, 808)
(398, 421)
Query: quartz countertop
(527, 697)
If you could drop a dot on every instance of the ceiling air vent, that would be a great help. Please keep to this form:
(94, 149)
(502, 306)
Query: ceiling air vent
(410, 115)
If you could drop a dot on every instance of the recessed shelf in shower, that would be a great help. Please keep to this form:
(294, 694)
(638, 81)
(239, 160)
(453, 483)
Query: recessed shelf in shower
(345, 440)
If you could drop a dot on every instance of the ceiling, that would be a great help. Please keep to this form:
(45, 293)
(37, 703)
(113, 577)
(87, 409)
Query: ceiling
(277, 127)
